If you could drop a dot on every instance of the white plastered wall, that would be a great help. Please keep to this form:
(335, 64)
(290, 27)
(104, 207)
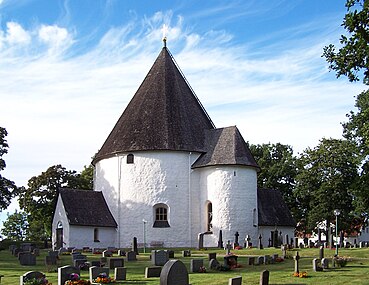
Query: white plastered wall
(232, 192)
(155, 177)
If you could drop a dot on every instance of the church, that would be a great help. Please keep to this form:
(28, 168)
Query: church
(168, 176)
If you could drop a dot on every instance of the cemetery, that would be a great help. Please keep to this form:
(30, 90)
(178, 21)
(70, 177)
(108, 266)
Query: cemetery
(267, 265)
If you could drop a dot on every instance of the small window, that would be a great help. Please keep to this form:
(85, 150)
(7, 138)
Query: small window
(161, 216)
(59, 225)
(130, 158)
(209, 227)
(96, 235)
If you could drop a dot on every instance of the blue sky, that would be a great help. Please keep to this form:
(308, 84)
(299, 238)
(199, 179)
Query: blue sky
(69, 68)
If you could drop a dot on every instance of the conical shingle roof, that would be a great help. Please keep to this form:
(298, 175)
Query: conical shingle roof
(164, 114)
(225, 146)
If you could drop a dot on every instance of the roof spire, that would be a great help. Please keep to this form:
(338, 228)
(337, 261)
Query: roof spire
(165, 30)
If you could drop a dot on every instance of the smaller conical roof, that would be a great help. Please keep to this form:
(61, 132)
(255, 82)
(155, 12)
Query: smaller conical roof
(225, 146)
(164, 114)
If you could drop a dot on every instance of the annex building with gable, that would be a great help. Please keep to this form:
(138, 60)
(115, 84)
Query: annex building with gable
(166, 174)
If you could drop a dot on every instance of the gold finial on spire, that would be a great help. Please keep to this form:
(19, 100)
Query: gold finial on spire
(165, 30)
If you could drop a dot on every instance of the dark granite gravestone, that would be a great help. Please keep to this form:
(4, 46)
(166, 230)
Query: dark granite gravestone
(230, 260)
(252, 260)
(152, 271)
(316, 265)
(116, 262)
(260, 244)
(107, 253)
(235, 280)
(134, 246)
(214, 264)
(220, 240)
(174, 272)
(131, 256)
(212, 255)
(103, 261)
(186, 253)
(31, 275)
(65, 272)
(264, 277)
(50, 260)
(159, 257)
(170, 253)
(196, 264)
(200, 238)
(27, 259)
(95, 271)
(235, 244)
(120, 273)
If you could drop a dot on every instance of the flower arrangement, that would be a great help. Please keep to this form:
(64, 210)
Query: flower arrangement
(279, 259)
(103, 278)
(36, 281)
(202, 269)
(75, 280)
(300, 274)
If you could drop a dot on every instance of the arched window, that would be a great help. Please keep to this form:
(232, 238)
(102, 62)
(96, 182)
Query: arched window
(59, 225)
(209, 216)
(161, 214)
(96, 235)
(130, 158)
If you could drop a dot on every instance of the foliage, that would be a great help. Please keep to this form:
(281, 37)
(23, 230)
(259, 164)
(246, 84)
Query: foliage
(278, 170)
(327, 180)
(7, 187)
(353, 57)
(15, 227)
(39, 198)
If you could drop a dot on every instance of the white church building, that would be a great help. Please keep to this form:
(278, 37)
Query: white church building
(166, 174)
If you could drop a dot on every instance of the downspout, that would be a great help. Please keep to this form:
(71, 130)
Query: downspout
(119, 196)
(189, 198)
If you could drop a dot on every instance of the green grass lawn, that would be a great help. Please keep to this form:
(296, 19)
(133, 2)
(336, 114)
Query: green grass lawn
(356, 271)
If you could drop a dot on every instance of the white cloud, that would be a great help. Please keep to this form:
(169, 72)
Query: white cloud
(15, 34)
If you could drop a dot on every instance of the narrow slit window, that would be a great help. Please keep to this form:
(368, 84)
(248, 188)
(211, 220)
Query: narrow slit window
(130, 158)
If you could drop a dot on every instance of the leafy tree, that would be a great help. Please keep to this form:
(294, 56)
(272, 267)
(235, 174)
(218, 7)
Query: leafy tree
(39, 198)
(86, 178)
(15, 226)
(278, 170)
(327, 180)
(352, 60)
(7, 187)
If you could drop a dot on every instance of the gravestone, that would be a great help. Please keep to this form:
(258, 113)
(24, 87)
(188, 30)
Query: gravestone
(297, 258)
(316, 265)
(200, 238)
(116, 262)
(120, 273)
(214, 264)
(251, 260)
(266, 259)
(260, 260)
(230, 260)
(325, 263)
(212, 255)
(321, 252)
(286, 240)
(31, 275)
(284, 251)
(174, 272)
(170, 253)
(152, 271)
(50, 260)
(65, 272)
(236, 235)
(159, 257)
(228, 247)
(220, 240)
(264, 277)
(95, 271)
(247, 241)
(81, 263)
(12, 247)
(26, 246)
(260, 244)
(107, 253)
(103, 261)
(296, 244)
(235, 280)
(186, 253)
(27, 259)
(134, 246)
(131, 256)
(121, 252)
(196, 264)
(36, 251)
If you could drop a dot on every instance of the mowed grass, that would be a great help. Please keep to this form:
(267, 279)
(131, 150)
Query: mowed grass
(356, 271)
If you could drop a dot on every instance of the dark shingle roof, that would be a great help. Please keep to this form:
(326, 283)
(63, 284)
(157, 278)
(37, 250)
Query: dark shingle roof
(225, 146)
(164, 114)
(86, 208)
(272, 210)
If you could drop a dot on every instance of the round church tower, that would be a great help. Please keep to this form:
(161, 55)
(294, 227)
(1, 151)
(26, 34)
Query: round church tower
(144, 166)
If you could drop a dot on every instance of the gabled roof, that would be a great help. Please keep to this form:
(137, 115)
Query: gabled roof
(164, 114)
(86, 208)
(225, 146)
(272, 210)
